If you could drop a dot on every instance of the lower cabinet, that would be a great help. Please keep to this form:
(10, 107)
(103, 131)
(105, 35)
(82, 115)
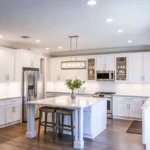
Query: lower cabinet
(2, 115)
(129, 107)
(10, 111)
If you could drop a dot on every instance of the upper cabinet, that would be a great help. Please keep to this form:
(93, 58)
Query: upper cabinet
(146, 67)
(7, 66)
(105, 62)
(30, 60)
(121, 67)
(91, 69)
(136, 67)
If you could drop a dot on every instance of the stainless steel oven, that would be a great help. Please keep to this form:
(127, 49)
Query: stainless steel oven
(109, 96)
(105, 75)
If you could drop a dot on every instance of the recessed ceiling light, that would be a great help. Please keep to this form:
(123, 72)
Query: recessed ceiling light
(109, 20)
(1, 36)
(120, 31)
(129, 41)
(38, 41)
(60, 47)
(91, 2)
(47, 48)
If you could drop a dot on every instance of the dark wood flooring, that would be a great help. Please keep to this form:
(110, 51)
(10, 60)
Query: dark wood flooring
(113, 138)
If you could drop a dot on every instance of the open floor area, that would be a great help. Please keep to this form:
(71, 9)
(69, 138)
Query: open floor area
(112, 138)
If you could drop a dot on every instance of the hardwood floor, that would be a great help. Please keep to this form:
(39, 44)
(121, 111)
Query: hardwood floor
(113, 138)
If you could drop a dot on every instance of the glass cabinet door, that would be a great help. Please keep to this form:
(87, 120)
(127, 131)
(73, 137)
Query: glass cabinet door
(91, 69)
(121, 68)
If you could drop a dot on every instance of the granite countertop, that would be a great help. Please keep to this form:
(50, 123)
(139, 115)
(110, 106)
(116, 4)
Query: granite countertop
(67, 102)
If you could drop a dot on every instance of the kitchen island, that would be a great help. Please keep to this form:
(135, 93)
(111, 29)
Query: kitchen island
(90, 115)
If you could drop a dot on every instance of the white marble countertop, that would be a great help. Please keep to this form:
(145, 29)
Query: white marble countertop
(10, 97)
(67, 102)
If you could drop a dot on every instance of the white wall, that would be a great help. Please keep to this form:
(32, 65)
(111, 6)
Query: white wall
(91, 87)
(10, 90)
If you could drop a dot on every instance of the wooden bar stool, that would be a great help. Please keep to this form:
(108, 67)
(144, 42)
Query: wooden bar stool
(45, 123)
(60, 114)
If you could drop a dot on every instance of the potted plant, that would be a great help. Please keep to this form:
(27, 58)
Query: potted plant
(74, 84)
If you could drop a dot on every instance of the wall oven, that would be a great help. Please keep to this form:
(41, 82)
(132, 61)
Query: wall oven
(105, 75)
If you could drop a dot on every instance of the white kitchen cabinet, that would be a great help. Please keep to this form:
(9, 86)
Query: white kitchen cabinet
(7, 66)
(2, 115)
(30, 60)
(9, 114)
(135, 110)
(146, 66)
(122, 109)
(121, 66)
(101, 63)
(13, 113)
(136, 68)
(105, 62)
(129, 107)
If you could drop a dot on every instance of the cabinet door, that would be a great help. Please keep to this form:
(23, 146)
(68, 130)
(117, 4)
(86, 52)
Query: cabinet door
(121, 67)
(135, 68)
(26, 59)
(101, 64)
(122, 109)
(9, 118)
(35, 61)
(2, 115)
(16, 112)
(135, 111)
(7, 66)
(10, 66)
(146, 66)
(110, 62)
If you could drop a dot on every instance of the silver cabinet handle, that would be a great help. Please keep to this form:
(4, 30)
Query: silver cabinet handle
(14, 109)
(129, 106)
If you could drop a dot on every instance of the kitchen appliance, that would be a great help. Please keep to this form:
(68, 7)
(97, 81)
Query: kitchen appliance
(32, 89)
(109, 96)
(105, 75)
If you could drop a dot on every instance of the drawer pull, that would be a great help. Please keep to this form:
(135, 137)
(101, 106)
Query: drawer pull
(13, 101)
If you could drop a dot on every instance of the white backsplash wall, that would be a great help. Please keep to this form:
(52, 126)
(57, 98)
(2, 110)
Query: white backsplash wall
(92, 87)
(12, 89)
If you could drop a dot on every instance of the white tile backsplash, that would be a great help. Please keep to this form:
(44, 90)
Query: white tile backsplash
(12, 89)
(92, 87)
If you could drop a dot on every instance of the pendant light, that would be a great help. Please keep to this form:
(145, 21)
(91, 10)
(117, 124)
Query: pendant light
(66, 65)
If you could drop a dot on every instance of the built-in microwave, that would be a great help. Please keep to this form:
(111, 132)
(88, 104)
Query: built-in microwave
(105, 75)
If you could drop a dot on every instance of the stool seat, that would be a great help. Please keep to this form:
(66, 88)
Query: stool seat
(47, 109)
(64, 111)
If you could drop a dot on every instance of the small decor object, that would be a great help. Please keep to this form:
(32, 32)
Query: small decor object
(74, 84)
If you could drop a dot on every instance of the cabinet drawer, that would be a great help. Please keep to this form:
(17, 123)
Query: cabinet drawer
(2, 103)
(13, 101)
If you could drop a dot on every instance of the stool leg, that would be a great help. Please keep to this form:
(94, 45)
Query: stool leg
(57, 122)
(62, 125)
(72, 129)
(45, 122)
(39, 127)
(53, 121)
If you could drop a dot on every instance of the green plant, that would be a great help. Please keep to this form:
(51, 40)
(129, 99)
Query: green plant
(74, 84)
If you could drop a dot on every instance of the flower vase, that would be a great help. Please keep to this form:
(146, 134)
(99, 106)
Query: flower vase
(73, 96)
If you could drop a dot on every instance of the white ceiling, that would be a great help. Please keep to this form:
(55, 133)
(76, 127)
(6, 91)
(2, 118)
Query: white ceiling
(52, 21)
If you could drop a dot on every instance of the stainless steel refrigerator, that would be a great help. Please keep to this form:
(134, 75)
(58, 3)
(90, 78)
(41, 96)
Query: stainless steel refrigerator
(32, 89)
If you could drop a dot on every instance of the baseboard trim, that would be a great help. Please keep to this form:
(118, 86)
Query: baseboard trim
(9, 124)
